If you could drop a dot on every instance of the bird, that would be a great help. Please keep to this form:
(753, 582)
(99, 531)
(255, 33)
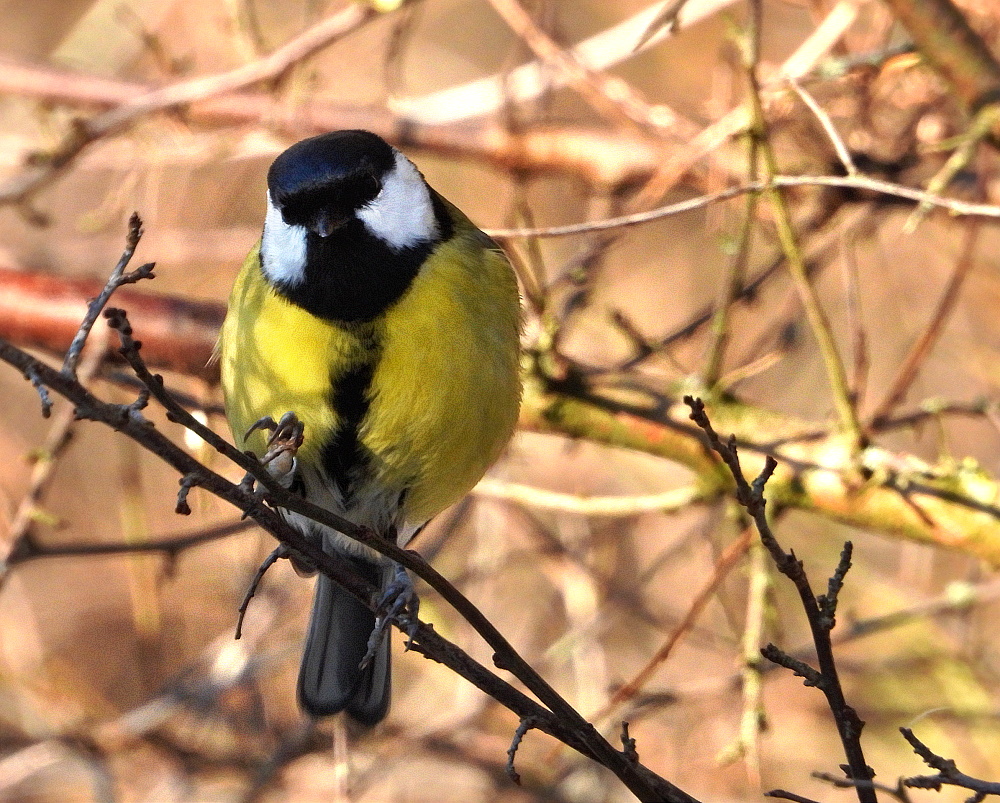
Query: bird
(379, 319)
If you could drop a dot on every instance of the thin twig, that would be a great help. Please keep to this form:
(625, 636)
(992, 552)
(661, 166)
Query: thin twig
(607, 95)
(281, 551)
(117, 279)
(819, 322)
(485, 96)
(169, 545)
(752, 718)
(910, 368)
(955, 206)
(737, 269)
(631, 688)
(843, 153)
(898, 791)
(859, 339)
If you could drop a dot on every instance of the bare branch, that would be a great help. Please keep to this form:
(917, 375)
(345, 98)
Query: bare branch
(117, 279)
(947, 772)
(953, 205)
(910, 368)
(826, 679)
(17, 188)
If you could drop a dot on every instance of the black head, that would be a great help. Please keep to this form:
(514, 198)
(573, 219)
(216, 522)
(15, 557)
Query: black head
(320, 182)
(349, 223)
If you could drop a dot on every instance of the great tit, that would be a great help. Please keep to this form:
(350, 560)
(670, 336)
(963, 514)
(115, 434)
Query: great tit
(378, 314)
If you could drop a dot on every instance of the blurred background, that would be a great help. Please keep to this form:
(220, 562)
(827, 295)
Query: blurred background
(602, 547)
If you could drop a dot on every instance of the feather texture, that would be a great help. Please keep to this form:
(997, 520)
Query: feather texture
(404, 410)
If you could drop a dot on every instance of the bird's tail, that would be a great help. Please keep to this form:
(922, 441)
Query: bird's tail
(330, 679)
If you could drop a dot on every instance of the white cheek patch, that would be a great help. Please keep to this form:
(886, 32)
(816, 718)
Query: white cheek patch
(282, 248)
(402, 214)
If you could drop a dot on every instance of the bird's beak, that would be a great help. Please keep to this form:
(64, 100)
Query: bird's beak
(326, 222)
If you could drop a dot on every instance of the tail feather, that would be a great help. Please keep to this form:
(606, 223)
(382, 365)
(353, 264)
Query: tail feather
(330, 679)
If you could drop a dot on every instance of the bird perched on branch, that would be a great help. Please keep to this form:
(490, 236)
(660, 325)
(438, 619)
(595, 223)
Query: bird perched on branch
(387, 325)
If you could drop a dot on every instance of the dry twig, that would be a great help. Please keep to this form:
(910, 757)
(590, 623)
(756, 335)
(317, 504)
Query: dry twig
(820, 610)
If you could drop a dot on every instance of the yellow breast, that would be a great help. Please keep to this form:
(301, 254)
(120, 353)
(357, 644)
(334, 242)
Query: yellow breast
(445, 390)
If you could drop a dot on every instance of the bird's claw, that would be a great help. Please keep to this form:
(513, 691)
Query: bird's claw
(399, 603)
(282, 445)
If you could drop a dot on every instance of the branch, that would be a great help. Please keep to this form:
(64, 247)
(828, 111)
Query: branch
(609, 96)
(814, 474)
(820, 611)
(819, 321)
(171, 546)
(527, 82)
(558, 717)
(907, 373)
(947, 772)
(83, 133)
(945, 38)
(723, 566)
(94, 308)
(601, 157)
(954, 206)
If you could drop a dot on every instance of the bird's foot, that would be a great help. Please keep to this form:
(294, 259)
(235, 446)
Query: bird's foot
(279, 459)
(400, 604)
(282, 445)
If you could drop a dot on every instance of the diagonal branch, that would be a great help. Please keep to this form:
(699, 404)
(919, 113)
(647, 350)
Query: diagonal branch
(556, 716)
(17, 188)
(910, 369)
(945, 38)
(564, 723)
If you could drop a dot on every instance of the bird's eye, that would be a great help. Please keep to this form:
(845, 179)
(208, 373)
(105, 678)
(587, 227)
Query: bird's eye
(365, 191)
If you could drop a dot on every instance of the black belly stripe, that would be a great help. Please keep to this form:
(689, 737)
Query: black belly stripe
(345, 458)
